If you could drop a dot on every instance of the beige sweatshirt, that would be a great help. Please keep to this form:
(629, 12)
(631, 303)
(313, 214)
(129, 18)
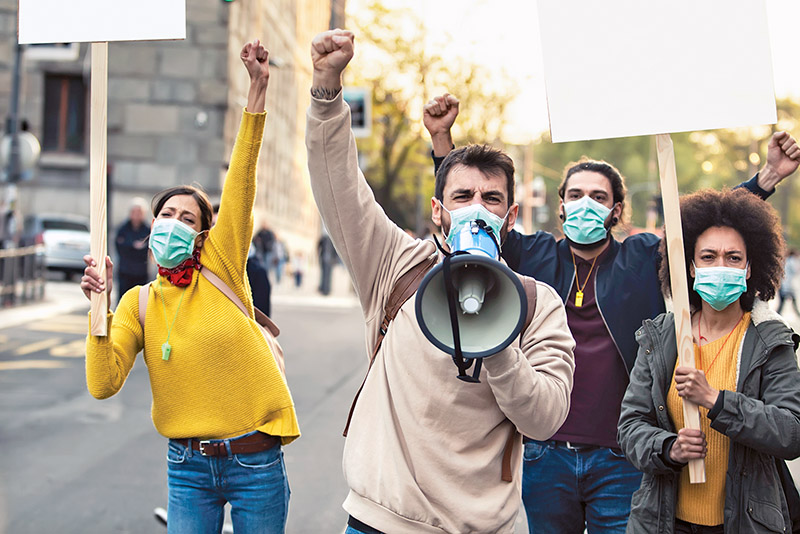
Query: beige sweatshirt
(424, 450)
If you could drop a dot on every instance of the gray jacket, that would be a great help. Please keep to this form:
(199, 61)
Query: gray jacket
(762, 419)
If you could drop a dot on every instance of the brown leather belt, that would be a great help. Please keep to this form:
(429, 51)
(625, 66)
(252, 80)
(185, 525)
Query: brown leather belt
(249, 444)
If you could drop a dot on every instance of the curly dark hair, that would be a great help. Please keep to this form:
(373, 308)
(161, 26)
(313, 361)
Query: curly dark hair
(755, 220)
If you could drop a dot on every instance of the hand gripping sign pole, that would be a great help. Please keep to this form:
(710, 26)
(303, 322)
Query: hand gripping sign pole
(680, 291)
(98, 22)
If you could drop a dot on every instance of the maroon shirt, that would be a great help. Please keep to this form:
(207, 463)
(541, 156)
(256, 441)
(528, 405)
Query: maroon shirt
(600, 375)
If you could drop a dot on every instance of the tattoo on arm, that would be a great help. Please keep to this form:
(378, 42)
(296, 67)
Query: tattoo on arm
(324, 93)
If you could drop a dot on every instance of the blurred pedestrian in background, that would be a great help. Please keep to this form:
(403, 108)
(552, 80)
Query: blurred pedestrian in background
(132, 252)
(327, 259)
(280, 256)
(790, 268)
(264, 241)
(298, 268)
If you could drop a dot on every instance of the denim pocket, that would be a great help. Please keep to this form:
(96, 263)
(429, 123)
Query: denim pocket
(617, 453)
(534, 451)
(260, 460)
(176, 454)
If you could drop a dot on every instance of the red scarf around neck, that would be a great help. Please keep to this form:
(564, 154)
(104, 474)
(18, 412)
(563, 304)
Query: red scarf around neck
(181, 276)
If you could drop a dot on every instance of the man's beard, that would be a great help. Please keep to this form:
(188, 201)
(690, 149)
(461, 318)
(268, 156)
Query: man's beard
(588, 246)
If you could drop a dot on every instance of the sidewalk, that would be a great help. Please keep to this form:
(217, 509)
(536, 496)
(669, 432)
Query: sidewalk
(342, 294)
(59, 298)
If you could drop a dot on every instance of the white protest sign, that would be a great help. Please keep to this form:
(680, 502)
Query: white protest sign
(69, 21)
(620, 68)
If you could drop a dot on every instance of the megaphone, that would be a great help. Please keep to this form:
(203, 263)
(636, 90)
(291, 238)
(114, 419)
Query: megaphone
(488, 298)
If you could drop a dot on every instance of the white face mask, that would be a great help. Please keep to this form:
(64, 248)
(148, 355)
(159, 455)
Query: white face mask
(463, 216)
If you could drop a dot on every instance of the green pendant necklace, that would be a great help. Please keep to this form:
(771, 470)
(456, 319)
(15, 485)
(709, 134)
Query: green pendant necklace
(166, 348)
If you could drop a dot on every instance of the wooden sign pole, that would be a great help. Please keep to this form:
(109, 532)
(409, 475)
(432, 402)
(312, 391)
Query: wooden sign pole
(680, 289)
(97, 173)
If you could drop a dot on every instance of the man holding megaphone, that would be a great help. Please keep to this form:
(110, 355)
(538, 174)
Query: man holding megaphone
(425, 451)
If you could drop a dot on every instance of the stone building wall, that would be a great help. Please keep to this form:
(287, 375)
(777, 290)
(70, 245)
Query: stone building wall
(173, 110)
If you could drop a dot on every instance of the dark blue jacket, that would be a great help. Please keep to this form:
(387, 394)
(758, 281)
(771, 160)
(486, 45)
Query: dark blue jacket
(132, 260)
(627, 287)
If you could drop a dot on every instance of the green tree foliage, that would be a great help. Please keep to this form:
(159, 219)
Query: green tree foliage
(395, 59)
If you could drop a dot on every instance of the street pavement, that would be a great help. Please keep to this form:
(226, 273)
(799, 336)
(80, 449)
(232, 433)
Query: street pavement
(73, 464)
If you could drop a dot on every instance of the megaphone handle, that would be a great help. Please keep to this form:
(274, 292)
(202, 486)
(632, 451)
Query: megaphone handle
(450, 293)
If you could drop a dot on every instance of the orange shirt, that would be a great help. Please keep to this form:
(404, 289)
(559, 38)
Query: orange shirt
(703, 504)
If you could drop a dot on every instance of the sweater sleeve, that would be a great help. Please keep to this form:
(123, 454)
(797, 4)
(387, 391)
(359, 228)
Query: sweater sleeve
(532, 383)
(229, 240)
(109, 358)
(374, 250)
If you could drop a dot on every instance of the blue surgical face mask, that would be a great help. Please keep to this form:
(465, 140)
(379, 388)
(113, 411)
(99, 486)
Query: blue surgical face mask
(585, 220)
(171, 241)
(720, 286)
(462, 217)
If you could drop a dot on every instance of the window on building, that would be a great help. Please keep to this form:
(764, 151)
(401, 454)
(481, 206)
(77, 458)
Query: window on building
(64, 114)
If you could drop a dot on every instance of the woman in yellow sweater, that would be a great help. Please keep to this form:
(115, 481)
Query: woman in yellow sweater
(218, 394)
(746, 382)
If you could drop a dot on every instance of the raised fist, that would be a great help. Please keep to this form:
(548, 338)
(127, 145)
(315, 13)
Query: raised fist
(256, 59)
(331, 51)
(440, 113)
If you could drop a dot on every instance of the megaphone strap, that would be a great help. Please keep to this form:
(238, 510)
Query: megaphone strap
(458, 357)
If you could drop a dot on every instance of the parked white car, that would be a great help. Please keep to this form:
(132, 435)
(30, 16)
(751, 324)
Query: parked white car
(65, 238)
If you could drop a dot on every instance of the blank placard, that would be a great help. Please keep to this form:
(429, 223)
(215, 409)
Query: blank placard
(621, 68)
(70, 21)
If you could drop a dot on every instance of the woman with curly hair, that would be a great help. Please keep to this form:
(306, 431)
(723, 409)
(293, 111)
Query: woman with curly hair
(746, 384)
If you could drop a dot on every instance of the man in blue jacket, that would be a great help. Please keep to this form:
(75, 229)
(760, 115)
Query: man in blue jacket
(580, 479)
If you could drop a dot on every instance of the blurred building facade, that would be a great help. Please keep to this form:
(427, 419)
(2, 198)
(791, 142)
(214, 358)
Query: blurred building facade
(173, 111)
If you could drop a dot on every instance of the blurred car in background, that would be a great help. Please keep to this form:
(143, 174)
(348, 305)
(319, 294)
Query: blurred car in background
(65, 238)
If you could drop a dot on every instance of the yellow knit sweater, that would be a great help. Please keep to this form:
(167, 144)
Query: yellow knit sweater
(703, 504)
(220, 380)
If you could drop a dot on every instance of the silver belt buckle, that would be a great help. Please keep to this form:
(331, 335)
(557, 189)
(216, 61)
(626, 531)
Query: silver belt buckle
(203, 445)
(571, 447)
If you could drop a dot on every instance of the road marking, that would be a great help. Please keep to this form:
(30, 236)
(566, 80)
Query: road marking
(74, 349)
(67, 324)
(21, 365)
(36, 347)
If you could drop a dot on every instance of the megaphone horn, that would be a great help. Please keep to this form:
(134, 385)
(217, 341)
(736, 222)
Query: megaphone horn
(491, 308)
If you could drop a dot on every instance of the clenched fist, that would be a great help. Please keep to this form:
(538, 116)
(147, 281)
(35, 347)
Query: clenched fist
(331, 51)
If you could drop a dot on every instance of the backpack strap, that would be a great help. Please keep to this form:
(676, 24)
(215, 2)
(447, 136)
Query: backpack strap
(260, 317)
(529, 284)
(403, 289)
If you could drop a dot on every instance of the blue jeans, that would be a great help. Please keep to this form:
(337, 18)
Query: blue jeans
(566, 490)
(254, 484)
